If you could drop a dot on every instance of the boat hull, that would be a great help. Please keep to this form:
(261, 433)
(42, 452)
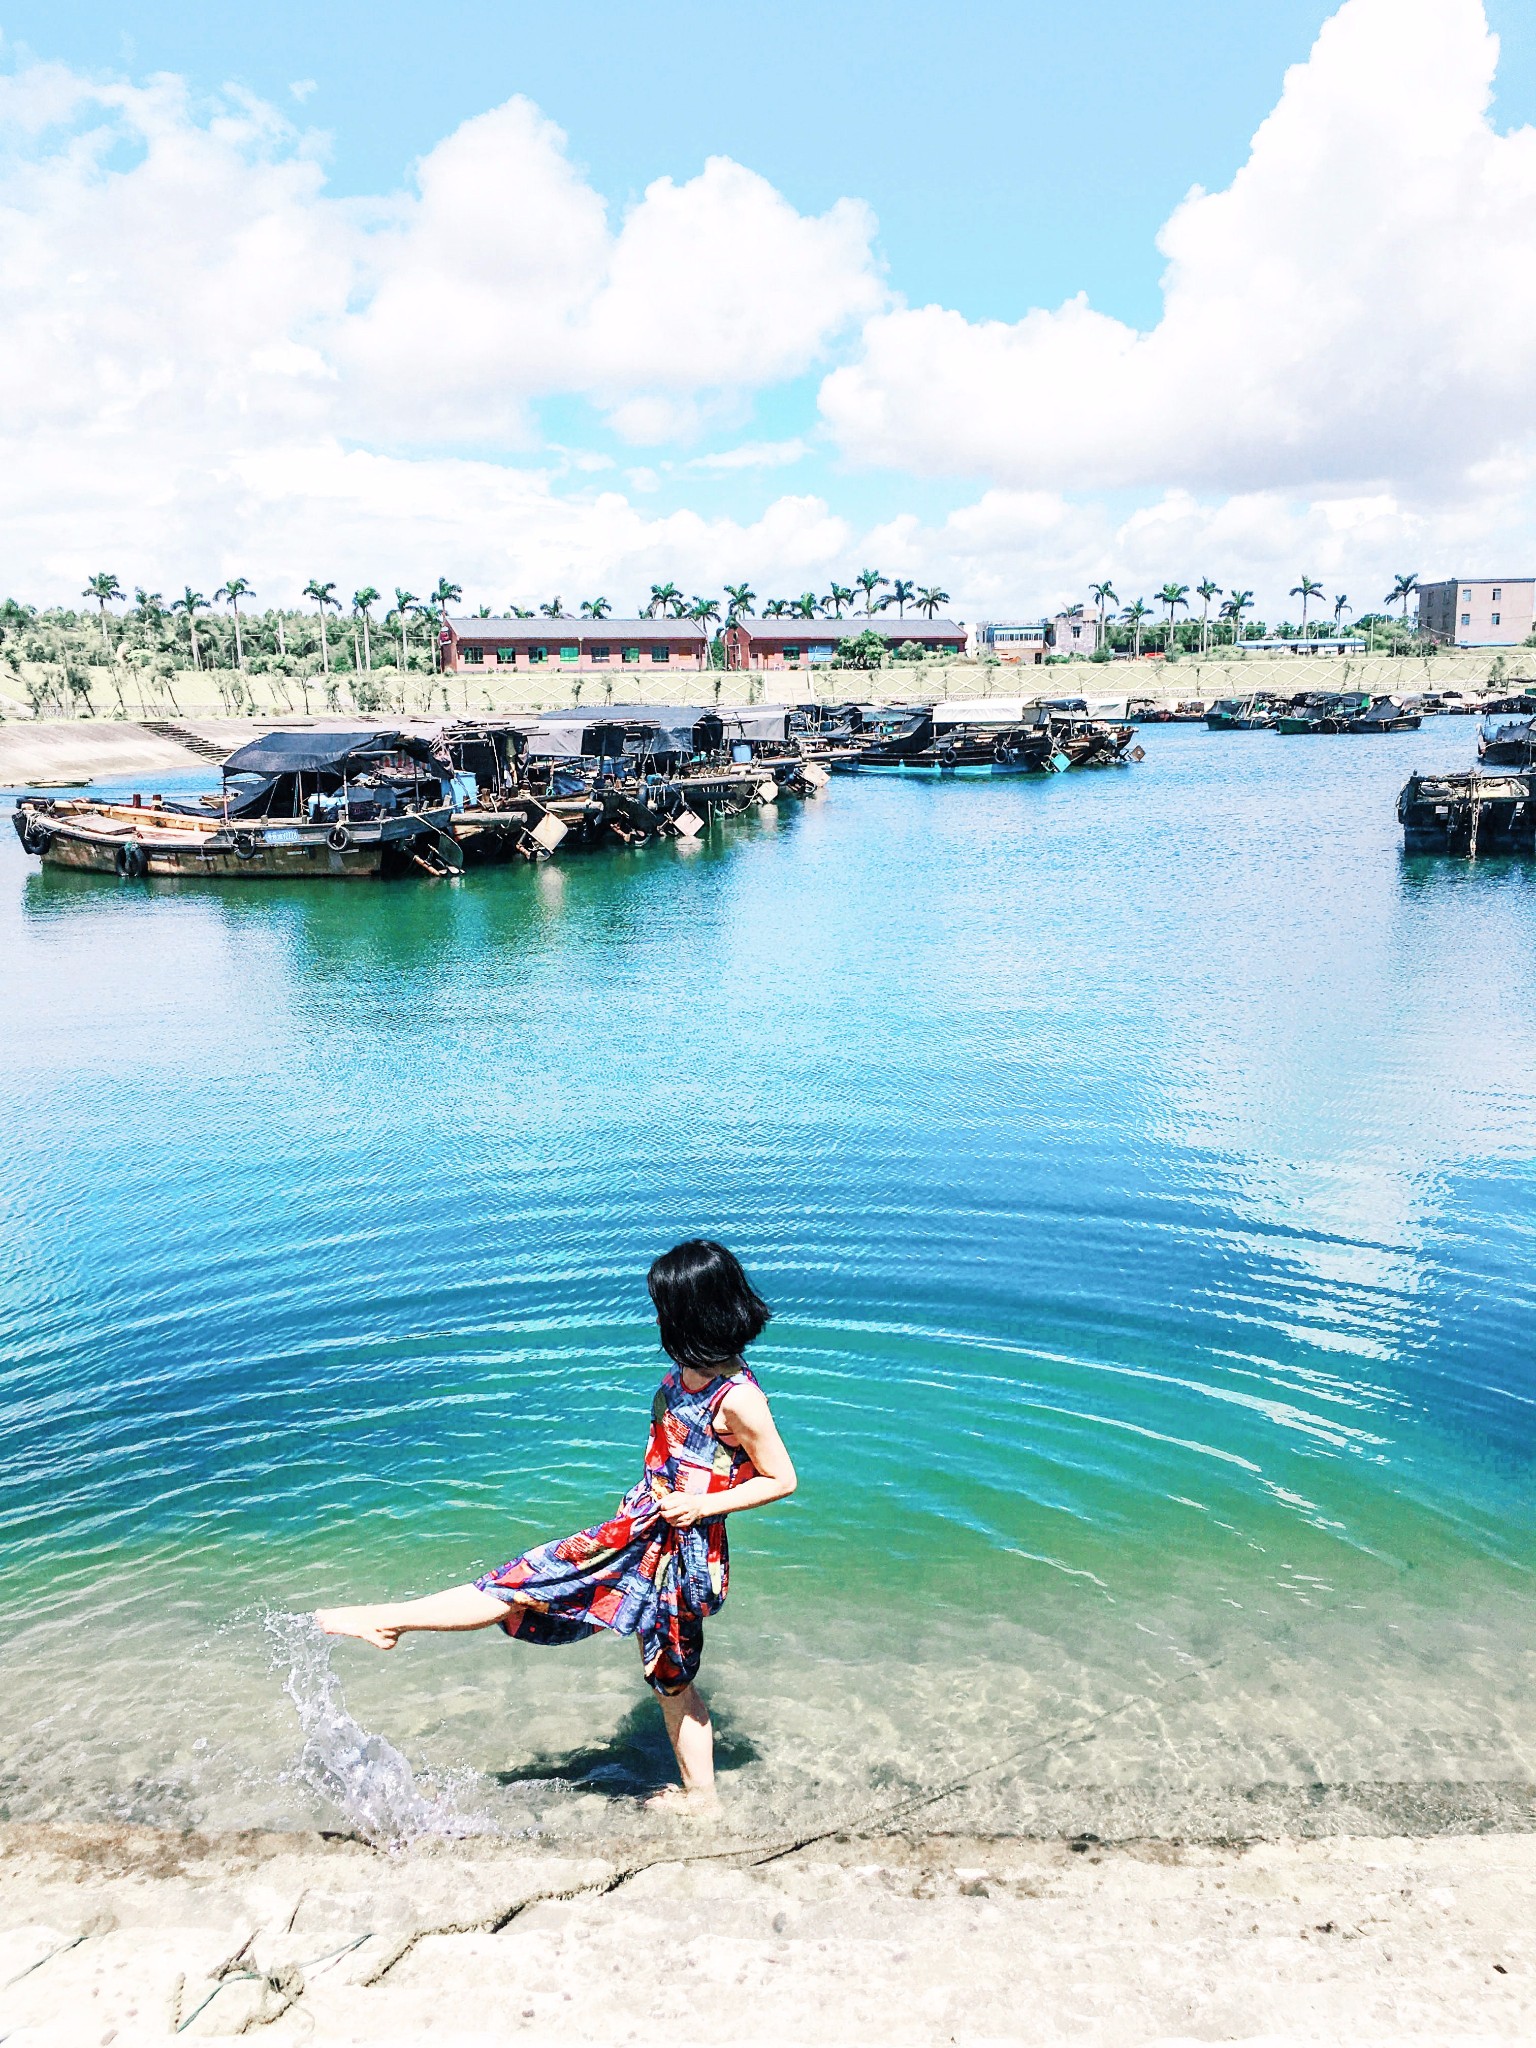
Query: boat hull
(142, 843)
(1468, 814)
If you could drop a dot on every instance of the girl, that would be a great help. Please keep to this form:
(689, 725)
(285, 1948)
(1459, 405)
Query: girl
(661, 1564)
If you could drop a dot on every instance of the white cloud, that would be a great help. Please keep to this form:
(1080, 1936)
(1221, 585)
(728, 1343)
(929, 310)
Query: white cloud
(754, 455)
(1356, 310)
(185, 310)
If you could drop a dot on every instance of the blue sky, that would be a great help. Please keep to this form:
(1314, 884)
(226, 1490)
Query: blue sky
(1009, 157)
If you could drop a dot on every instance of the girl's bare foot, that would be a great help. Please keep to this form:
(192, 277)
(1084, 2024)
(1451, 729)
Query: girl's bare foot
(703, 1801)
(363, 1622)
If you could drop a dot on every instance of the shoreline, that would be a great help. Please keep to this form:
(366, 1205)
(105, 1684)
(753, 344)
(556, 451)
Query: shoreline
(907, 1939)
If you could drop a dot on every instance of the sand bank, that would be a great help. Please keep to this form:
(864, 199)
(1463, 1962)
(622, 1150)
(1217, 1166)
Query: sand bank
(118, 1935)
(87, 749)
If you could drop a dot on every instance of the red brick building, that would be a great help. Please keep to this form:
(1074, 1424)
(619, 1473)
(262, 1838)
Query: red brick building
(543, 646)
(811, 643)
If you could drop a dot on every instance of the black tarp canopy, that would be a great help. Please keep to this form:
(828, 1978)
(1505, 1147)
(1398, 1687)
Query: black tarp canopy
(316, 753)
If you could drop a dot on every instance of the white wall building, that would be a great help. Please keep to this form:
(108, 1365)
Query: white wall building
(1478, 611)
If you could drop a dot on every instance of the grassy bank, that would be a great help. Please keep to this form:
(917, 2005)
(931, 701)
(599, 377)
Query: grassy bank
(120, 690)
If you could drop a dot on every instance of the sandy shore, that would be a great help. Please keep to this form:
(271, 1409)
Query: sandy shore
(118, 1935)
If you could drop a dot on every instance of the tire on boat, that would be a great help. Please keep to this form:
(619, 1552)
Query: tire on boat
(35, 838)
(245, 845)
(338, 839)
(131, 861)
(947, 757)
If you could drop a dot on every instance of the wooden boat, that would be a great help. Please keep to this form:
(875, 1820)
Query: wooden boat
(294, 805)
(1241, 714)
(1468, 813)
(1508, 746)
(1385, 715)
(1323, 712)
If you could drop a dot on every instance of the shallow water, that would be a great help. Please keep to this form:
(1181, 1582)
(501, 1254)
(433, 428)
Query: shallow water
(1140, 1164)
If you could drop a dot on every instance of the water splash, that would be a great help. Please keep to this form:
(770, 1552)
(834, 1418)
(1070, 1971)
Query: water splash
(363, 1776)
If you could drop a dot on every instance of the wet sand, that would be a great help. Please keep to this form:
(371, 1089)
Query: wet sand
(118, 1935)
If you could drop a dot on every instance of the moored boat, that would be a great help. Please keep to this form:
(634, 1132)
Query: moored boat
(294, 805)
(1512, 745)
(1385, 714)
(1468, 813)
(1241, 714)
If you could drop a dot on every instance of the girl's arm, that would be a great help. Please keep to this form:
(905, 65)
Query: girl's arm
(745, 1415)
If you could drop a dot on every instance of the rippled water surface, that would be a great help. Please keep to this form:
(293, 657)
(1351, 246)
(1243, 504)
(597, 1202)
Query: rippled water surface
(1141, 1167)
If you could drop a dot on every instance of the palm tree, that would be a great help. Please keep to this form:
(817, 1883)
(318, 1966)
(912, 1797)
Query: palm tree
(555, 609)
(804, 606)
(930, 598)
(1341, 605)
(445, 594)
(742, 598)
(705, 612)
(105, 589)
(1239, 602)
(595, 607)
(836, 599)
(1402, 589)
(363, 602)
(663, 597)
(869, 581)
(1135, 613)
(323, 595)
(1207, 590)
(776, 608)
(1172, 595)
(191, 602)
(901, 596)
(231, 594)
(150, 606)
(1306, 590)
(1103, 595)
(406, 602)
(517, 611)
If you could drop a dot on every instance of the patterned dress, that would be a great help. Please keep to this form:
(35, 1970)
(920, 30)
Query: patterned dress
(635, 1574)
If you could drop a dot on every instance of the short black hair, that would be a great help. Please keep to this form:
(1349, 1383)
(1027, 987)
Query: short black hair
(708, 1309)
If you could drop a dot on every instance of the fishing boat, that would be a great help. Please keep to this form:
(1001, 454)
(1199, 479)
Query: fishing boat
(1468, 813)
(1385, 714)
(1241, 714)
(1323, 711)
(1508, 746)
(986, 736)
(294, 805)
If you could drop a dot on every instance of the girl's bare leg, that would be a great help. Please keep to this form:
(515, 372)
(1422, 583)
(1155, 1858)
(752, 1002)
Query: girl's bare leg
(693, 1744)
(460, 1607)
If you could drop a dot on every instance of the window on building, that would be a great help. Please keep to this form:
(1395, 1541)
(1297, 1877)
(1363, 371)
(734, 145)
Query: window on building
(660, 653)
(1077, 632)
(1466, 618)
(506, 657)
(791, 654)
(570, 654)
(1497, 595)
(1466, 597)
(538, 654)
(598, 654)
(1495, 618)
(472, 655)
(631, 654)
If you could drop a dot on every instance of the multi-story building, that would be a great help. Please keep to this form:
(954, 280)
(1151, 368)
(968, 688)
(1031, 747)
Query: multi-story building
(1029, 641)
(810, 643)
(1478, 611)
(535, 644)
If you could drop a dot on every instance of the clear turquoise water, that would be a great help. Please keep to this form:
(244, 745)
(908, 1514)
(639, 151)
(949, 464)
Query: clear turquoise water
(1141, 1165)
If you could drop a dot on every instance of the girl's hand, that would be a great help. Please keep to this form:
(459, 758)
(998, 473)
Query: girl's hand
(680, 1510)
